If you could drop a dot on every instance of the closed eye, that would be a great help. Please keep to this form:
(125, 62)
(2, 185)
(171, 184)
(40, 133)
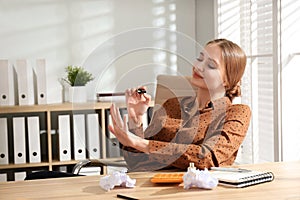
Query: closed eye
(211, 66)
(200, 59)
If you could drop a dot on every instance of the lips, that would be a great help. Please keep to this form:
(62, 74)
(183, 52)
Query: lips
(196, 74)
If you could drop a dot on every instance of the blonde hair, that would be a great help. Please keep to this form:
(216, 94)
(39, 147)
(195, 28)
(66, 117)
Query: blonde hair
(235, 63)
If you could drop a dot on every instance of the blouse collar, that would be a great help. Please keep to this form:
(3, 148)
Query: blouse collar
(219, 103)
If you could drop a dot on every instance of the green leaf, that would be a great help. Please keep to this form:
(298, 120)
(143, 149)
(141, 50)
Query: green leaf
(78, 76)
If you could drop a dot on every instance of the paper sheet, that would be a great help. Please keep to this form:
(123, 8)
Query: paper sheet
(199, 178)
(108, 182)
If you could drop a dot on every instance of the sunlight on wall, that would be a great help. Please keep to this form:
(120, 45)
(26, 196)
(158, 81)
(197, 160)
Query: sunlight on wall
(143, 52)
(62, 32)
(164, 15)
(68, 32)
(89, 24)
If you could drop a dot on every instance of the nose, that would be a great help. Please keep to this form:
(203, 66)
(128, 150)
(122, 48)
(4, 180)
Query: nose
(199, 66)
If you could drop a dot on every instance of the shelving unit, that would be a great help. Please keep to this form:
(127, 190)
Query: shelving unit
(49, 110)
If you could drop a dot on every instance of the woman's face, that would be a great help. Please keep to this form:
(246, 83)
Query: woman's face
(209, 69)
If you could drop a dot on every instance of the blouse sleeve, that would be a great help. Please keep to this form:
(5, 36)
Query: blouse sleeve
(137, 160)
(219, 147)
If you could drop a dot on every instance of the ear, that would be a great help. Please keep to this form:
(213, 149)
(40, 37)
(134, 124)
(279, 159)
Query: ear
(225, 83)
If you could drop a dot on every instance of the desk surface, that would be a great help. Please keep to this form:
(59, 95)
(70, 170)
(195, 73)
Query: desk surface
(286, 185)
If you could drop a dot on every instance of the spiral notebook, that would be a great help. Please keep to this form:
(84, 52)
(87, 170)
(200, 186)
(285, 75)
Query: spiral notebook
(242, 179)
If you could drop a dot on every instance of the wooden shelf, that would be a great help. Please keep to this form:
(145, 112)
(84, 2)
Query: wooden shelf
(48, 110)
(25, 165)
(18, 110)
(92, 105)
(69, 162)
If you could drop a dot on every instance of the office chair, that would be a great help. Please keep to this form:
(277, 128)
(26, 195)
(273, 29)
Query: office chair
(104, 162)
(168, 86)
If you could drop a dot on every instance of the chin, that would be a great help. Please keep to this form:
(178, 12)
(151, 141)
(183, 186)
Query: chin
(195, 82)
(198, 82)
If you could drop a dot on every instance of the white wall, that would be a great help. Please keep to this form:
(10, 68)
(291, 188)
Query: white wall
(93, 32)
(205, 21)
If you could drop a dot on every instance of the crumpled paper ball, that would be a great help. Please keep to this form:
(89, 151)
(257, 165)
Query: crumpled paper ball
(117, 178)
(198, 178)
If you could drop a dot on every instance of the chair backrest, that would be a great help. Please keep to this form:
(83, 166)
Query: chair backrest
(169, 86)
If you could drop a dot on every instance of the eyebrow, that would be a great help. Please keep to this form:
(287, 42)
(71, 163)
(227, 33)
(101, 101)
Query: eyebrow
(212, 60)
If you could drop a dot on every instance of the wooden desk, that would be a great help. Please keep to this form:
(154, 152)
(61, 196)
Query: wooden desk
(286, 185)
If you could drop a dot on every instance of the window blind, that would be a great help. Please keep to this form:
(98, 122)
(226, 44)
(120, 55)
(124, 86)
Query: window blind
(249, 23)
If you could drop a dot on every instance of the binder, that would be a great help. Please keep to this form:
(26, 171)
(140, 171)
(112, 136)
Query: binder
(34, 139)
(64, 137)
(3, 177)
(79, 136)
(19, 140)
(25, 83)
(3, 141)
(109, 122)
(41, 81)
(90, 171)
(93, 139)
(145, 120)
(112, 144)
(7, 90)
(20, 176)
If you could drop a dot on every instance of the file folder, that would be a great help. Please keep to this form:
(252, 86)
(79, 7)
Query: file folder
(41, 81)
(93, 138)
(19, 140)
(90, 171)
(7, 90)
(34, 143)
(20, 176)
(79, 136)
(112, 144)
(64, 137)
(25, 83)
(109, 122)
(3, 141)
(145, 120)
(3, 177)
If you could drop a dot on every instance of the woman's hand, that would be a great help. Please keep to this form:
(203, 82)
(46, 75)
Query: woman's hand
(137, 105)
(120, 130)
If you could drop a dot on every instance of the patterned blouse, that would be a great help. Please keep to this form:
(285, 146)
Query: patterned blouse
(180, 133)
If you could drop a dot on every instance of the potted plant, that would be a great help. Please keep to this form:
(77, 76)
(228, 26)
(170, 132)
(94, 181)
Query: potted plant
(77, 78)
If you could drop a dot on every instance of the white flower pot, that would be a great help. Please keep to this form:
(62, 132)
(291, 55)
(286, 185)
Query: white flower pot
(77, 94)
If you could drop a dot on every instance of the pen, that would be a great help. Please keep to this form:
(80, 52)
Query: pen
(228, 169)
(141, 91)
(125, 197)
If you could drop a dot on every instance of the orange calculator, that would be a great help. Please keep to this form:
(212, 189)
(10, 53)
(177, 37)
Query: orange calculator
(167, 178)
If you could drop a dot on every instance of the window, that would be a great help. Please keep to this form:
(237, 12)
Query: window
(249, 23)
(268, 31)
(290, 72)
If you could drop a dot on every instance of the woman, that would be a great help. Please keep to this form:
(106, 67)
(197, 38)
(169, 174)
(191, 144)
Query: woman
(206, 130)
